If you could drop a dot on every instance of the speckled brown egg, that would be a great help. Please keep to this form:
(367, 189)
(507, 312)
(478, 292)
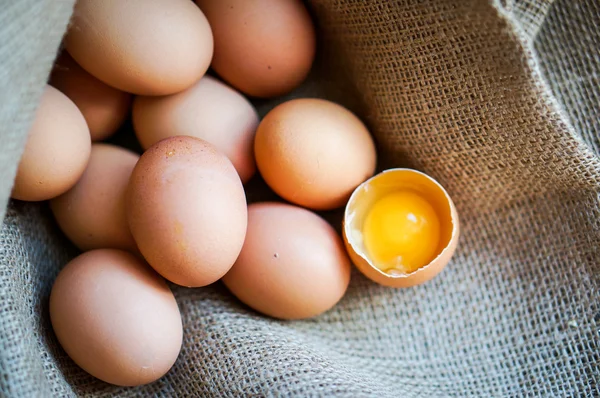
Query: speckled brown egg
(264, 48)
(187, 211)
(92, 213)
(209, 110)
(313, 152)
(103, 107)
(116, 318)
(57, 150)
(293, 264)
(147, 47)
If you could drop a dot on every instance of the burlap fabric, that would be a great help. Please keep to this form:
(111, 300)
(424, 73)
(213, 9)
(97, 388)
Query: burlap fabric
(498, 100)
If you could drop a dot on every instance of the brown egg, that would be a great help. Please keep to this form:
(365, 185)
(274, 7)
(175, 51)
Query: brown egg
(147, 47)
(104, 108)
(209, 110)
(313, 152)
(293, 264)
(400, 228)
(116, 318)
(187, 210)
(92, 213)
(264, 48)
(57, 150)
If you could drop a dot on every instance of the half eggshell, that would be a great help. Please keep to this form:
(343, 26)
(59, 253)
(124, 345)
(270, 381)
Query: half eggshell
(387, 182)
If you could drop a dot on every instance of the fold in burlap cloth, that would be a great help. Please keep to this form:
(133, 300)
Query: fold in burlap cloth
(498, 100)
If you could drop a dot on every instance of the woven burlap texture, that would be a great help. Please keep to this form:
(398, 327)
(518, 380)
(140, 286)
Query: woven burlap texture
(498, 100)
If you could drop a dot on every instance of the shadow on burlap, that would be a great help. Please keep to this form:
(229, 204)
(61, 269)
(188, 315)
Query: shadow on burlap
(499, 101)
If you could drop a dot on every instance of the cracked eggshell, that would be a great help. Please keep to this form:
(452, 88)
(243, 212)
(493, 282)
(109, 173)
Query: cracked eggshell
(382, 184)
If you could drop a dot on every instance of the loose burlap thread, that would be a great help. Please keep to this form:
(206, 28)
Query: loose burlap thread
(497, 100)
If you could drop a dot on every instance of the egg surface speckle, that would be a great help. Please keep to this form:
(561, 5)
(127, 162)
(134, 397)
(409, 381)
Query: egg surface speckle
(187, 211)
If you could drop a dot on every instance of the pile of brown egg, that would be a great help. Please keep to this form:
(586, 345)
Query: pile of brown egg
(178, 212)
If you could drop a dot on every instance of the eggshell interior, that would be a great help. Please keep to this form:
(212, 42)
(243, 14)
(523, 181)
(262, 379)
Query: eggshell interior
(381, 185)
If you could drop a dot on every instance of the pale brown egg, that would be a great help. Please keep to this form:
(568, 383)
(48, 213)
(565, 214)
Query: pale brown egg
(209, 110)
(147, 47)
(293, 264)
(187, 211)
(313, 152)
(104, 107)
(92, 213)
(57, 150)
(400, 228)
(116, 318)
(264, 48)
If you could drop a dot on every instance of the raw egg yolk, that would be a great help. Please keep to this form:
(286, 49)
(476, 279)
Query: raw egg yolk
(401, 232)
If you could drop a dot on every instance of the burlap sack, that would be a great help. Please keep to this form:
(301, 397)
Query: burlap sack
(498, 100)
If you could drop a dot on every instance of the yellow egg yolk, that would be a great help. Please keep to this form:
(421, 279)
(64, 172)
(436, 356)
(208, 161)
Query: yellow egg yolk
(401, 232)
